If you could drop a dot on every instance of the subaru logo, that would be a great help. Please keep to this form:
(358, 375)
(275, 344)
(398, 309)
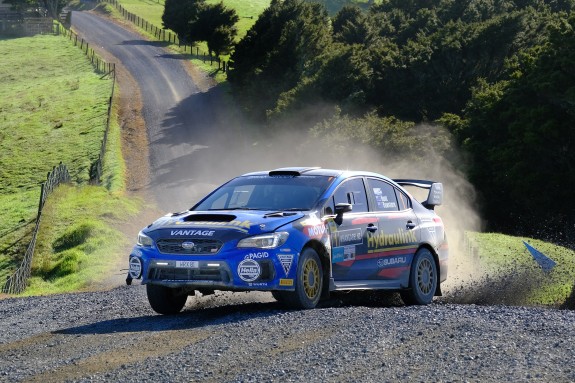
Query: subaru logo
(188, 245)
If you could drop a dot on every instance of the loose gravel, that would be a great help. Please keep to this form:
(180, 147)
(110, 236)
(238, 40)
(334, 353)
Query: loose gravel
(248, 337)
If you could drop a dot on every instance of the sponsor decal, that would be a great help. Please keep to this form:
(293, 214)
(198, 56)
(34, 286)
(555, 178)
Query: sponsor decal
(235, 224)
(348, 237)
(249, 270)
(315, 231)
(391, 261)
(259, 255)
(382, 200)
(190, 232)
(337, 254)
(343, 253)
(286, 282)
(381, 239)
(286, 260)
(135, 267)
(258, 284)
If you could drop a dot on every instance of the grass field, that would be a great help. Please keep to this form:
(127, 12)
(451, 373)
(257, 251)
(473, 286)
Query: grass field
(152, 10)
(53, 110)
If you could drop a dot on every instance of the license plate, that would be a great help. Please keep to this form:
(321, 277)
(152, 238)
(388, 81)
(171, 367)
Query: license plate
(188, 264)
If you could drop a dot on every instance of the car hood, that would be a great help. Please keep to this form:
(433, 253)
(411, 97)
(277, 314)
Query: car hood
(222, 225)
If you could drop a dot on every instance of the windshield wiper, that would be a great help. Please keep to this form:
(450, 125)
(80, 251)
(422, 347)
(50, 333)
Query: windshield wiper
(283, 213)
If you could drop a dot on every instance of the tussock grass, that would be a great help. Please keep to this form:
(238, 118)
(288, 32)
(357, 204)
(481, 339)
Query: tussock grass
(79, 243)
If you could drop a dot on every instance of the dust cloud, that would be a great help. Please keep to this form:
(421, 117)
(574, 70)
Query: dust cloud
(248, 152)
(229, 146)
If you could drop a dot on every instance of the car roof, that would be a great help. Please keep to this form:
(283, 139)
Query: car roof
(314, 171)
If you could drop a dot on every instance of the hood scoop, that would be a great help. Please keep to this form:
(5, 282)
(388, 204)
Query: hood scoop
(209, 218)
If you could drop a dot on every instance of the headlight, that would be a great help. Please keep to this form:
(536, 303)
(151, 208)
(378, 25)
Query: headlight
(265, 241)
(144, 240)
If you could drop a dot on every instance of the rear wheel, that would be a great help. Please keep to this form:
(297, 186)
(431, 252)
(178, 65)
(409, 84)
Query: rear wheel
(422, 279)
(309, 282)
(165, 300)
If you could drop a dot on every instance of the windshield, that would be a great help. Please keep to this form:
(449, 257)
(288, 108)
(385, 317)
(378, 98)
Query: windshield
(267, 193)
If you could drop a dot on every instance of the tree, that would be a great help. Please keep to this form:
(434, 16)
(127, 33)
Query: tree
(53, 7)
(178, 14)
(214, 24)
(277, 52)
(520, 135)
(351, 27)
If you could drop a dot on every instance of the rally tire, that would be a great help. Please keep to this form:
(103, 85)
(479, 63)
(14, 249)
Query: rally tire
(309, 282)
(422, 279)
(165, 300)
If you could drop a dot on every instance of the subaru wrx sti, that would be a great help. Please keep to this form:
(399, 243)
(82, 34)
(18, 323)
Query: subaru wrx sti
(300, 233)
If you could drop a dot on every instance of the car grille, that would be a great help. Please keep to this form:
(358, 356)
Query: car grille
(200, 246)
(176, 274)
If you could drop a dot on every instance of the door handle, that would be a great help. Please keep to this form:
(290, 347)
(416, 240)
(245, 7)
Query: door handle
(410, 225)
(371, 227)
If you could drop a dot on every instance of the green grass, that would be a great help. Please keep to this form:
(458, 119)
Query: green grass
(507, 256)
(152, 10)
(53, 109)
(54, 103)
(79, 244)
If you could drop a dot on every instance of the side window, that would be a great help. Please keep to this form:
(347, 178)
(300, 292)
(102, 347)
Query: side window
(403, 201)
(383, 194)
(353, 192)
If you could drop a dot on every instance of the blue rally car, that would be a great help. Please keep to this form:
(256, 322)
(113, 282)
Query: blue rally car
(300, 233)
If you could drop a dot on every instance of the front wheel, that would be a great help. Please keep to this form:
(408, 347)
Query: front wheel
(309, 282)
(165, 300)
(422, 279)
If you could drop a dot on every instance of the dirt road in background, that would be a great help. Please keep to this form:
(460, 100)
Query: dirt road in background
(177, 130)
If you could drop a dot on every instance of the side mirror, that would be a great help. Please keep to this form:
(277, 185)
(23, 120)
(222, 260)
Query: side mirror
(341, 208)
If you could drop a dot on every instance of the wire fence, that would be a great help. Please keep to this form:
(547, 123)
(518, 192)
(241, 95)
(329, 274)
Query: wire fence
(168, 36)
(17, 282)
(106, 69)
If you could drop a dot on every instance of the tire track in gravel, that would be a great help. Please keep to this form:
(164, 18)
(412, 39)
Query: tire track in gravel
(148, 346)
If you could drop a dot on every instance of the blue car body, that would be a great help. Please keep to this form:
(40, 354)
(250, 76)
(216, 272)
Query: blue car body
(364, 231)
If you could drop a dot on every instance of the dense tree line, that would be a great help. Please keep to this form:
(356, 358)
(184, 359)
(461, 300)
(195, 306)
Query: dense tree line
(495, 72)
(196, 20)
(52, 7)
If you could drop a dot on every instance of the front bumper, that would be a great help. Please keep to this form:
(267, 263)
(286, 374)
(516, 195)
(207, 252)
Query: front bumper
(241, 270)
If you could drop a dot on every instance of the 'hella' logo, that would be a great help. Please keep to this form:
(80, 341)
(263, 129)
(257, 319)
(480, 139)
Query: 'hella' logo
(188, 245)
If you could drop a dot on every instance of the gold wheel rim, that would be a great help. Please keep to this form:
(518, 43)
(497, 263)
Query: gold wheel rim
(425, 276)
(311, 278)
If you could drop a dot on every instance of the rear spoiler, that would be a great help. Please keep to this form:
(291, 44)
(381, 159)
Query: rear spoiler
(435, 196)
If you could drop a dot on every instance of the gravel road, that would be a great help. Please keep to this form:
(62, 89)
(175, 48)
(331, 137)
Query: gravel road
(248, 337)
